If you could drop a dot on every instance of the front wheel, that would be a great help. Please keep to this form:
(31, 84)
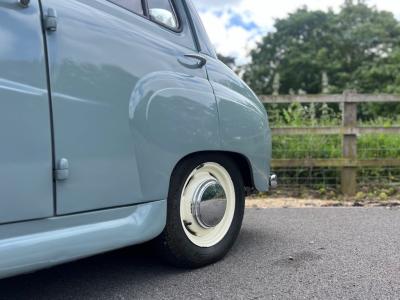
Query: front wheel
(205, 211)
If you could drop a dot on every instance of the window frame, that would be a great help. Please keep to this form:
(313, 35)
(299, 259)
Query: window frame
(147, 16)
(115, 2)
(200, 36)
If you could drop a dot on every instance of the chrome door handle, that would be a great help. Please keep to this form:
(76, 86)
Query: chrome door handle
(193, 61)
(202, 60)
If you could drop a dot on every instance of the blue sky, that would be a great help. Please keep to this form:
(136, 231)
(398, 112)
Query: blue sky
(235, 26)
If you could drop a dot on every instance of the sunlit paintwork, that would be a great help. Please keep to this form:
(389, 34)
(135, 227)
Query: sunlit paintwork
(38, 244)
(25, 149)
(243, 121)
(126, 106)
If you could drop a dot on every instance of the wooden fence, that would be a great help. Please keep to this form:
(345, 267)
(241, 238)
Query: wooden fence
(349, 130)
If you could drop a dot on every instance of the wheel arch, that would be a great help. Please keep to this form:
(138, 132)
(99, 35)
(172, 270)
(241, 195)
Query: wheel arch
(241, 161)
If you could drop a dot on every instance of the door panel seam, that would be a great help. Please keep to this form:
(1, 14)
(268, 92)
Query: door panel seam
(48, 80)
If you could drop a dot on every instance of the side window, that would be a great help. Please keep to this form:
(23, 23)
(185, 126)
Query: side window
(162, 11)
(131, 5)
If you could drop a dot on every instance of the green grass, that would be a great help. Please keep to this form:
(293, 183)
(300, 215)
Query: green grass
(371, 146)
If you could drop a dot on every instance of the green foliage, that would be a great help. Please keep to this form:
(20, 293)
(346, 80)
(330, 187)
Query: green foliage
(298, 115)
(317, 146)
(379, 146)
(358, 48)
(324, 147)
(310, 146)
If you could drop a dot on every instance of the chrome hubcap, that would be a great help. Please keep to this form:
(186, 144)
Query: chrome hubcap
(209, 204)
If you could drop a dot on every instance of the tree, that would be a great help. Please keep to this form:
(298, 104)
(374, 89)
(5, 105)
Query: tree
(386, 69)
(356, 48)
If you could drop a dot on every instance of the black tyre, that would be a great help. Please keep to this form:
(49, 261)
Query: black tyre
(205, 211)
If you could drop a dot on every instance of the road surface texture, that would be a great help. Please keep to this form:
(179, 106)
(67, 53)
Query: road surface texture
(329, 253)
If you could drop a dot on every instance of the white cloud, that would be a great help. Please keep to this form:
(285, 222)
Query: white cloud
(214, 4)
(235, 40)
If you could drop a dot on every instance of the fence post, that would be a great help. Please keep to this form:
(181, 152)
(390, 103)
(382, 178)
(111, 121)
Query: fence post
(349, 174)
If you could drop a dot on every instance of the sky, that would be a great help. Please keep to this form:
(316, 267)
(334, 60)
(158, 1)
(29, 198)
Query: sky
(235, 26)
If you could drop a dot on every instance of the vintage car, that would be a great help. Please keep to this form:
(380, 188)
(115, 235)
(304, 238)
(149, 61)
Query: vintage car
(118, 126)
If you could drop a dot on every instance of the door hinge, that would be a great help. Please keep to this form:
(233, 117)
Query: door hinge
(62, 170)
(50, 20)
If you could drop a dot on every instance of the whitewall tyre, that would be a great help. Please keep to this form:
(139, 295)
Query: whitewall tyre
(205, 211)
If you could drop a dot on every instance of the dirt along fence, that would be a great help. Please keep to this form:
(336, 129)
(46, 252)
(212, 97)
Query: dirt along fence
(348, 163)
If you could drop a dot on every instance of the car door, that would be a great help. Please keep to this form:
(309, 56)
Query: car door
(105, 58)
(26, 187)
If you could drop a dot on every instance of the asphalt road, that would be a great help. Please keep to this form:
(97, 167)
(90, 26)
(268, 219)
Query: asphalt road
(330, 253)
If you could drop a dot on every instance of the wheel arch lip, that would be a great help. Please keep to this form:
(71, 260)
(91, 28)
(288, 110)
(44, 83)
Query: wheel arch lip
(243, 122)
(252, 176)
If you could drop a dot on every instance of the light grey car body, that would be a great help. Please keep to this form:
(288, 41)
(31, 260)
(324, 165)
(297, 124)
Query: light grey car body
(95, 115)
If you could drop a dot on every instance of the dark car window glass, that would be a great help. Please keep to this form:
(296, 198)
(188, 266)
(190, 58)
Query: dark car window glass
(163, 12)
(132, 5)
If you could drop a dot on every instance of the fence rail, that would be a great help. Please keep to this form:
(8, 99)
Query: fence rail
(335, 130)
(349, 163)
(347, 97)
(335, 163)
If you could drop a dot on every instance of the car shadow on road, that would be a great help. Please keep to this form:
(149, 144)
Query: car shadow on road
(137, 263)
(88, 278)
